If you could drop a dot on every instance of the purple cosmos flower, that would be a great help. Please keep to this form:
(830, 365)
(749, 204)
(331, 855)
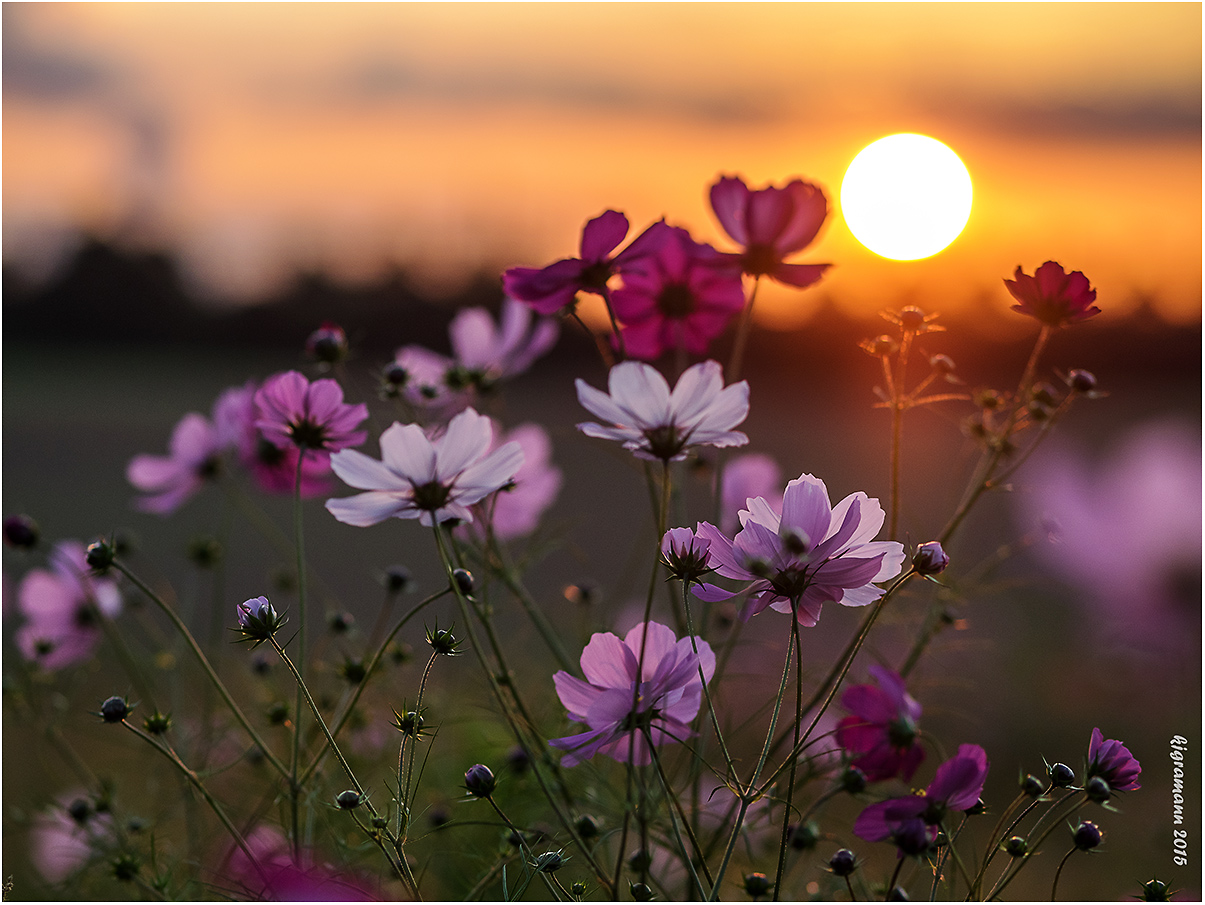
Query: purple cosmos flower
(515, 510)
(61, 627)
(745, 477)
(956, 786)
(289, 878)
(882, 730)
(772, 223)
(1052, 296)
(811, 555)
(273, 468)
(682, 296)
(554, 287)
(431, 479)
(1111, 761)
(309, 416)
(656, 424)
(194, 457)
(64, 838)
(668, 698)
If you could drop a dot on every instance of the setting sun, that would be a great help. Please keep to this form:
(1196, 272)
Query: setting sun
(906, 196)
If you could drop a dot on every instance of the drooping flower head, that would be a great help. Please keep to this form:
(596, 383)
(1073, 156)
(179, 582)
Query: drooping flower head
(772, 223)
(810, 555)
(552, 288)
(882, 730)
(433, 479)
(60, 606)
(656, 424)
(667, 699)
(681, 296)
(1112, 761)
(1052, 296)
(194, 456)
(293, 412)
(515, 509)
(956, 786)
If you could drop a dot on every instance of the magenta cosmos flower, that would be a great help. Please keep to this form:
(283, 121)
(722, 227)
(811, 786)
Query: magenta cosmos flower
(667, 699)
(310, 416)
(552, 288)
(515, 510)
(882, 730)
(810, 555)
(681, 296)
(956, 786)
(1112, 761)
(656, 424)
(430, 479)
(1052, 296)
(290, 878)
(772, 223)
(194, 457)
(59, 606)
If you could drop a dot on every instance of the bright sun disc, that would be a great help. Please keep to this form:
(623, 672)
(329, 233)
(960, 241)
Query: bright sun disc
(906, 196)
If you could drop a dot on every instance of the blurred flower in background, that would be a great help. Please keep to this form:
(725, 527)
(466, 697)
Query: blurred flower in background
(1126, 531)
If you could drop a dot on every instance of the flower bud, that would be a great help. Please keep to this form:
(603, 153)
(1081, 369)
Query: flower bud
(757, 884)
(518, 760)
(1098, 790)
(1044, 393)
(408, 723)
(1087, 836)
(340, 623)
(126, 866)
(843, 863)
(640, 892)
(397, 579)
(930, 559)
(463, 579)
(882, 346)
(1155, 890)
(99, 555)
(442, 641)
(1061, 775)
(979, 807)
(278, 713)
(1081, 381)
(79, 810)
(942, 364)
(897, 894)
(912, 838)
(578, 889)
(853, 780)
(641, 861)
(987, 399)
(550, 862)
(115, 709)
(205, 552)
(157, 723)
(1032, 786)
(258, 620)
(349, 800)
(327, 344)
(1016, 847)
(379, 822)
(803, 837)
(479, 780)
(21, 531)
(586, 826)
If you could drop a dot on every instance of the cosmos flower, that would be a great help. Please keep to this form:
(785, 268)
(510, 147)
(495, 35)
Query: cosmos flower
(668, 697)
(289, 879)
(431, 479)
(1052, 296)
(552, 288)
(65, 837)
(515, 510)
(956, 786)
(681, 296)
(810, 555)
(882, 730)
(170, 481)
(293, 412)
(747, 476)
(1111, 761)
(654, 423)
(772, 223)
(61, 625)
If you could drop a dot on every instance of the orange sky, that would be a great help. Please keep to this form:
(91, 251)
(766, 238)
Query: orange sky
(254, 138)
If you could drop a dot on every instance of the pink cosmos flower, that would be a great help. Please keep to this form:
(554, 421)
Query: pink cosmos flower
(656, 424)
(747, 476)
(681, 296)
(64, 838)
(1052, 296)
(772, 223)
(669, 694)
(556, 286)
(1112, 761)
(273, 468)
(292, 412)
(289, 879)
(61, 627)
(515, 510)
(956, 786)
(882, 730)
(194, 457)
(811, 555)
(433, 479)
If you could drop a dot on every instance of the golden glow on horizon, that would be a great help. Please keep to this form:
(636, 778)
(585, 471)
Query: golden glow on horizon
(906, 196)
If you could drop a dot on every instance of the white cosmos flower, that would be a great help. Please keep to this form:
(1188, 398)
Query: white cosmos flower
(656, 424)
(432, 480)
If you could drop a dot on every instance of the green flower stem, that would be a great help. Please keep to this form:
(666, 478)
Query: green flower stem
(786, 817)
(1033, 849)
(167, 751)
(953, 852)
(736, 362)
(528, 866)
(205, 664)
(507, 572)
(369, 670)
(715, 720)
(996, 839)
(1054, 889)
(299, 546)
(128, 662)
(403, 782)
(673, 817)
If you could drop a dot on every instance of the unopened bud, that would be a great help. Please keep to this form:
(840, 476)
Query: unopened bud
(479, 780)
(843, 863)
(21, 531)
(114, 709)
(1087, 836)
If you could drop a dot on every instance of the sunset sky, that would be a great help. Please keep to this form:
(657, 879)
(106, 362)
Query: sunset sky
(253, 139)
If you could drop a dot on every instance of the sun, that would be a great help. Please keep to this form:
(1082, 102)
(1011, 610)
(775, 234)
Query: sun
(906, 196)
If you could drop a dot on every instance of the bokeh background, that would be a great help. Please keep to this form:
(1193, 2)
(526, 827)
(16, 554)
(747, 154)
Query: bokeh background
(189, 189)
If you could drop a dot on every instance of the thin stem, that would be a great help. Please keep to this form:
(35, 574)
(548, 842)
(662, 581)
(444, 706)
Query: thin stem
(209, 670)
(673, 818)
(895, 875)
(786, 817)
(524, 846)
(715, 720)
(607, 356)
(616, 332)
(295, 757)
(404, 804)
(1054, 889)
(736, 362)
(897, 427)
(1033, 848)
